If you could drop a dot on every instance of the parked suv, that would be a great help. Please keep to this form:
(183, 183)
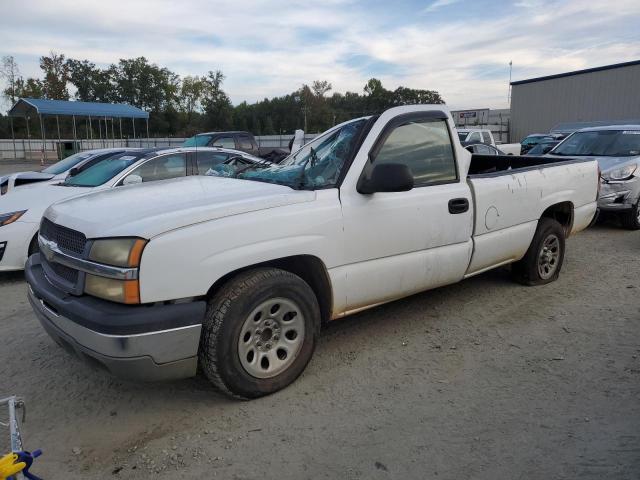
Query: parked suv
(237, 140)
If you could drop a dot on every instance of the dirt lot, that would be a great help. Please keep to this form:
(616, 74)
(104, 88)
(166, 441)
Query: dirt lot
(481, 380)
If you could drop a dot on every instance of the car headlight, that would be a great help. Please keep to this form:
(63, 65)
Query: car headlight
(620, 173)
(7, 218)
(118, 252)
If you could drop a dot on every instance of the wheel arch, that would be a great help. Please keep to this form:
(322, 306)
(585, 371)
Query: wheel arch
(562, 212)
(308, 267)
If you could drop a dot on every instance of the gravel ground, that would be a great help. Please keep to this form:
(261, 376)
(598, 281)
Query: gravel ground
(481, 380)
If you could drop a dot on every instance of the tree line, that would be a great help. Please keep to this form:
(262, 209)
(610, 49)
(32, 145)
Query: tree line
(183, 106)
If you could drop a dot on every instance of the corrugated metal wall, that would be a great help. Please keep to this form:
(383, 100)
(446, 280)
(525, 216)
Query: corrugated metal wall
(537, 107)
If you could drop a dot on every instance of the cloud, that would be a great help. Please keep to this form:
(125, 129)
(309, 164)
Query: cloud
(271, 48)
(437, 4)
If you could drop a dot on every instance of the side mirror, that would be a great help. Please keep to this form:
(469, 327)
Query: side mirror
(387, 177)
(74, 171)
(132, 179)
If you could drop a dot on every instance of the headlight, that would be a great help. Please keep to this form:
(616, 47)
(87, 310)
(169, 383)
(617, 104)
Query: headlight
(7, 218)
(119, 252)
(620, 173)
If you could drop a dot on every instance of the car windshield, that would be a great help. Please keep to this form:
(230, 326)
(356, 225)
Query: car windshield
(316, 165)
(602, 143)
(103, 171)
(197, 141)
(67, 164)
(542, 148)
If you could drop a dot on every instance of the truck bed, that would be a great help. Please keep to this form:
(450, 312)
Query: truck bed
(511, 193)
(501, 164)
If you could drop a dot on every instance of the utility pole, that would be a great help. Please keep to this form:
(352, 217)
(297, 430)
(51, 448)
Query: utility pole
(509, 89)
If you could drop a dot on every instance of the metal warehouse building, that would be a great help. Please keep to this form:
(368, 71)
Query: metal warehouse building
(604, 93)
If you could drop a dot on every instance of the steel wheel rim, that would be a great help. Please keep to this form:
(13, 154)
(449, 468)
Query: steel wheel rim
(549, 257)
(271, 337)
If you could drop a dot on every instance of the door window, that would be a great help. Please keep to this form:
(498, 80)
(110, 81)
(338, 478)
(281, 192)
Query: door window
(425, 147)
(162, 168)
(208, 160)
(225, 142)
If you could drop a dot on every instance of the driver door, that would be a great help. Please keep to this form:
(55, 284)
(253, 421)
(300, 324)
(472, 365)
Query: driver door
(399, 243)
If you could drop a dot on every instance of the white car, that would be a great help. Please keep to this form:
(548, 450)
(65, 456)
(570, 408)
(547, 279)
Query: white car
(238, 274)
(58, 171)
(21, 211)
(475, 136)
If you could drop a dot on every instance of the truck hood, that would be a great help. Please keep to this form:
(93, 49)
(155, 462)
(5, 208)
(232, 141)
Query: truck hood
(152, 209)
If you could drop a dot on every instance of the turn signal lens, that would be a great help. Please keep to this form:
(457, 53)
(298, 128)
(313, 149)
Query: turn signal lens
(121, 291)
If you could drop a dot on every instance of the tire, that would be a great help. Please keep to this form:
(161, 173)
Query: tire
(543, 261)
(252, 318)
(631, 219)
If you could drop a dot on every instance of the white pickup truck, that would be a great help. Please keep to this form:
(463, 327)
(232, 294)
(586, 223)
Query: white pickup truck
(237, 273)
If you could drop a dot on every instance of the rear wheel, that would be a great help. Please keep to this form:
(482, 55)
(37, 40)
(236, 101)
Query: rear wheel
(259, 333)
(631, 219)
(543, 260)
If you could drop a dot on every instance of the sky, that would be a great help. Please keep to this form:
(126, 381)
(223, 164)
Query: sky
(461, 48)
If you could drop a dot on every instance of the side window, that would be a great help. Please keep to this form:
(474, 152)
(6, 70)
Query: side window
(162, 168)
(425, 147)
(474, 137)
(245, 143)
(207, 160)
(486, 138)
(225, 142)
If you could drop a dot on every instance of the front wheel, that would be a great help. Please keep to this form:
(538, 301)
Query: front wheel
(259, 332)
(543, 260)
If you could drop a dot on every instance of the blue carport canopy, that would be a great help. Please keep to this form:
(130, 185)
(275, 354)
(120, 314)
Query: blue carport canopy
(30, 106)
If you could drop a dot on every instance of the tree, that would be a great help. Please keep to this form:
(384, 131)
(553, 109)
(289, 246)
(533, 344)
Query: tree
(217, 106)
(191, 95)
(145, 85)
(31, 88)
(320, 87)
(92, 84)
(11, 73)
(56, 76)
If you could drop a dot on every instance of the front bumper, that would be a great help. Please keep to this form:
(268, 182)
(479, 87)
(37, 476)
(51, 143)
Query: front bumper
(619, 196)
(148, 343)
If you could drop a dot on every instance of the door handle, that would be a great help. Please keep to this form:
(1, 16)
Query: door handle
(458, 205)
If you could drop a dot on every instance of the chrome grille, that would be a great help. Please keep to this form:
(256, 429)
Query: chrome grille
(67, 239)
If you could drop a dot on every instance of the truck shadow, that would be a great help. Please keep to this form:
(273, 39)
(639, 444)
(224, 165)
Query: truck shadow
(7, 278)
